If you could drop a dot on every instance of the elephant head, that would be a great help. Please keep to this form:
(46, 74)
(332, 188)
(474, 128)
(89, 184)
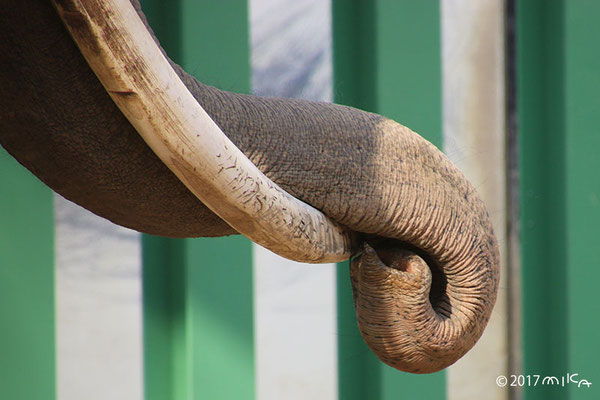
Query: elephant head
(313, 181)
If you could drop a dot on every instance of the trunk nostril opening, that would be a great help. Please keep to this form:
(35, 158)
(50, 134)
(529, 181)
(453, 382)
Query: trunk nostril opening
(388, 251)
(396, 258)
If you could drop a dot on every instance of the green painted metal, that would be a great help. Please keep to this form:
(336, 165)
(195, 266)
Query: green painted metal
(166, 361)
(27, 336)
(582, 124)
(198, 318)
(558, 84)
(387, 59)
(198, 308)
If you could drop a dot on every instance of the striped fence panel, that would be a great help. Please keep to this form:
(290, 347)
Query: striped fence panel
(476, 79)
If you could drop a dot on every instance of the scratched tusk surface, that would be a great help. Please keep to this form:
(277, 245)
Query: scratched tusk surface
(140, 80)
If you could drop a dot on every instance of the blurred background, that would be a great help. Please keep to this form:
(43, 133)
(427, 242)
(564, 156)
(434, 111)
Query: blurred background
(509, 91)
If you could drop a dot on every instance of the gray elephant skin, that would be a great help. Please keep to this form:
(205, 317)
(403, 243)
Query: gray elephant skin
(426, 269)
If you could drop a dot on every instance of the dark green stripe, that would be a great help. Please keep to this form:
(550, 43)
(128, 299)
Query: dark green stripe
(27, 338)
(540, 87)
(558, 84)
(582, 123)
(198, 329)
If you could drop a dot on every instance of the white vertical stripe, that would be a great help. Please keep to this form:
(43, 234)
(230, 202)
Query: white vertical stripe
(294, 328)
(295, 304)
(474, 139)
(98, 307)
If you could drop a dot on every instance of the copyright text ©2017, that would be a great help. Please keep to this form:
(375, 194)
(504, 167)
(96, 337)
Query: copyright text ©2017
(539, 380)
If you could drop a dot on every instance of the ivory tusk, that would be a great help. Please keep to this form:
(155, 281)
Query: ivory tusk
(140, 80)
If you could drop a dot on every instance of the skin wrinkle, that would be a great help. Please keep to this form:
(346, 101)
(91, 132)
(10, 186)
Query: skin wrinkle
(454, 302)
(362, 170)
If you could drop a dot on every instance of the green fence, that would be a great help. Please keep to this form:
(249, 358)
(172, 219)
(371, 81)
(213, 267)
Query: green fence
(387, 59)
(198, 292)
(27, 353)
(558, 101)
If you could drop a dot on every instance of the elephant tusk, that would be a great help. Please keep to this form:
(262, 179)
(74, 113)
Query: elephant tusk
(142, 83)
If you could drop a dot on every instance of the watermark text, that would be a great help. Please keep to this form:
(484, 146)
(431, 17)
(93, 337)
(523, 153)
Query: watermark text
(543, 380)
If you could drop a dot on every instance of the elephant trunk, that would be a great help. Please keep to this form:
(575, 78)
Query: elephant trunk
(414, 209)
(426, 280)
(423, 299)
(400, 193)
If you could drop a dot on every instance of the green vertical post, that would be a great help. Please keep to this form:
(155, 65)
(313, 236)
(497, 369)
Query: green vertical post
(198, 329)
(387, 59)
(583, 191)
(558, 102)
(27, 338)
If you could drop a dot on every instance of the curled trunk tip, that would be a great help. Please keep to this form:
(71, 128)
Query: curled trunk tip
(408, 314)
